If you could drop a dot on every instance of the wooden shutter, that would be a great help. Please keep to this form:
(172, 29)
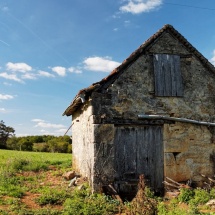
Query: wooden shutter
(168, 80)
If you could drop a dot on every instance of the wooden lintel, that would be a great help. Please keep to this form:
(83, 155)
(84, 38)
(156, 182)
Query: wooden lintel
(135, 122)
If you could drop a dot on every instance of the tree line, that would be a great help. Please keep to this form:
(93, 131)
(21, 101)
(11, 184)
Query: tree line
(40, 143)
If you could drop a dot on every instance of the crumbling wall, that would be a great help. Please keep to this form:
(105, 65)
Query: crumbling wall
(83, 146)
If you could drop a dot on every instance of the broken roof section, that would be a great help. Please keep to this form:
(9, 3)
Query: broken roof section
(84, 93)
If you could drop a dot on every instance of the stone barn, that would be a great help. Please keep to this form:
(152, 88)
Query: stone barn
(152, 115)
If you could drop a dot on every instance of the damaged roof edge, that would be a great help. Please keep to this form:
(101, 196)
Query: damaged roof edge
(79, 99)
(73, 106)
(168, 28)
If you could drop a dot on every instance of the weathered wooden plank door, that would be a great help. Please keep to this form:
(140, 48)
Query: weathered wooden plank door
(139, 150)
(168, 79)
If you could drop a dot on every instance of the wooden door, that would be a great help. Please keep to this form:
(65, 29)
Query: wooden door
(139, 150)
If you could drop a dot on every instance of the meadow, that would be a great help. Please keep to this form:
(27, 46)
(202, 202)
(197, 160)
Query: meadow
(32, 183)
(50, 158)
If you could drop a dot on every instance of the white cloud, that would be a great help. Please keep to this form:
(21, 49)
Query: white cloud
(127, 22)
(18, 67)
(115, 29)
(37, 120)
(44, 131)
(5, 97)
(7, 84)
(49, 125)
(2, 110)
(62, 131)
(45, 74)
(10, 77)
(212, 60)
(29, 76)
(100, 64)
(116, 16)
(74, 70)
(61, 71)
(43, 124)
(140, 6)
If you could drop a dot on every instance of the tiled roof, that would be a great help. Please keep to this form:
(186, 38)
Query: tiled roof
(77, 101)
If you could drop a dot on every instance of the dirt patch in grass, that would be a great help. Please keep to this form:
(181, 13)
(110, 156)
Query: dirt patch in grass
(29, 200)
(36, 184)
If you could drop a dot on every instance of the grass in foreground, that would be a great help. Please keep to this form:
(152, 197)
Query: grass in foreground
(32, 183)
(30, 180)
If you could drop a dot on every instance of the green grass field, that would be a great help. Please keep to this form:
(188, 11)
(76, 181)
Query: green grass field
(31, 183)
(7, 155)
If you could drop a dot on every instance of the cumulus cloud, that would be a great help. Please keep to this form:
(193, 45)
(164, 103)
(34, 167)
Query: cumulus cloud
(212, 60)
(140, 6)
(100, 64)
(6, 97)
(7, 84)
(10, 77)
(37, 120)
(61, 131)
(18, 67)
(29, 76)
(43, 124)
(45, 74)
(17, 72)
(74, 70)
(61, 71)
(127, 22)
(2, 110)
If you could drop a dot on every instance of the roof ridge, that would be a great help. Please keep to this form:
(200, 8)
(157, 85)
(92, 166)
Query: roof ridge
(133, 56)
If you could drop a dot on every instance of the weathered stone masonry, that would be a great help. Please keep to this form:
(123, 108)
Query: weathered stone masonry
(115, 103)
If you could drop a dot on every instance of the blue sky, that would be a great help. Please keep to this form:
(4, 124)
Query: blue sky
(50, 49)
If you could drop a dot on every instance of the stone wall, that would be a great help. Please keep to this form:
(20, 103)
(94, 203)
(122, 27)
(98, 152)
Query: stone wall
(188, 148)
(83, 144)
(188, 151)
(133, 92)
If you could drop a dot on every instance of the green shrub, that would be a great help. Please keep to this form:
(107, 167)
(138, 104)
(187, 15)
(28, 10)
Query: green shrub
(212, 193)
(85, 203)
(16, 165)
(200, 197)
(10, 185)
(173, 208)
(52, 197)
(3, 212)
(149, 193)
(186, 195)
(36, 166)
(44, 211)
(21, 164)
(162, 208)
